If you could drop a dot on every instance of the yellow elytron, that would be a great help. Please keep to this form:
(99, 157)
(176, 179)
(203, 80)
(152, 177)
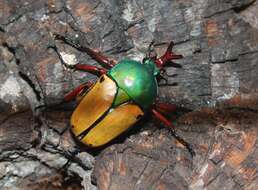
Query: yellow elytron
(95, 122)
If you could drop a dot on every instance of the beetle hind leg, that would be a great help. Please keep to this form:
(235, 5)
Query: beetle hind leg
(165, 108)
(167, 123)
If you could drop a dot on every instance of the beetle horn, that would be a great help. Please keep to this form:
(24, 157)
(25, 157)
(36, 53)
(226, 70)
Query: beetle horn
(168, 56)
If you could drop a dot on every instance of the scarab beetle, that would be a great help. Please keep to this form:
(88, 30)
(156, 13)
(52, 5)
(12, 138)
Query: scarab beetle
(121, 96)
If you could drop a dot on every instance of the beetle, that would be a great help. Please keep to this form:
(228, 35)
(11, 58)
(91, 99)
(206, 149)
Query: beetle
(122, 95)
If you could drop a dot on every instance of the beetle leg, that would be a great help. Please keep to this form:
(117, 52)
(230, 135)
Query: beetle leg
(165, 107)
(167, 123)
(82, 67)
(91, 69)
(71, 156)
(102, 59)
(78, 90)
(69, 97)
(168, 56)
(99, 57)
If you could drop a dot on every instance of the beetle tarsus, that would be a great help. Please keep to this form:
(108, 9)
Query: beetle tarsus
(82, 67)
(167, 123)
(183, 142)
(60, 57)
(40, 107)
(99, 57)
(71, 156)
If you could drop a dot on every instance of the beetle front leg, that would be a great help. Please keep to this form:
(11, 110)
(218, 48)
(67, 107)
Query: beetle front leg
(99, 57)
(82, 67)
(168, 56)
(167, 123)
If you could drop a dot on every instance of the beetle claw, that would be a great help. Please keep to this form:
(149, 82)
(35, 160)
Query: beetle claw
(183, 142)
(167, 56)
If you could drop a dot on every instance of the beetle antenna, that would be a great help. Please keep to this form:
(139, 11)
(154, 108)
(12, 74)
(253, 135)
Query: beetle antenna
(151, 53)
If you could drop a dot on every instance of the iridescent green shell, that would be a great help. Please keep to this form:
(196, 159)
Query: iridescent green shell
(135, 80)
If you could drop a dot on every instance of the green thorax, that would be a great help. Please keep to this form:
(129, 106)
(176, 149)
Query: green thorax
(135, 81)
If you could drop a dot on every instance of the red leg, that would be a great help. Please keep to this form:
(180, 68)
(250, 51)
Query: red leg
(89, 68)
(68, 97)
(165, 107)
(168, 123)
(72, 95)
(164, 120)
(102, 59)
(168, 56)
